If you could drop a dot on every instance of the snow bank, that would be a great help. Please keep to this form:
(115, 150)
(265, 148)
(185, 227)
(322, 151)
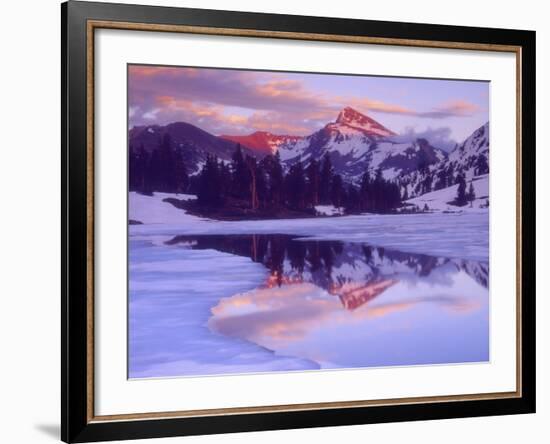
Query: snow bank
(328, 210)
(463, 234)
(171, 293)
(438, 200)
(458, 235)
(152, 209)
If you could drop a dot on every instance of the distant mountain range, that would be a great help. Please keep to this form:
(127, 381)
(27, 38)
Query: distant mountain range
(355, 143)
(470, 158)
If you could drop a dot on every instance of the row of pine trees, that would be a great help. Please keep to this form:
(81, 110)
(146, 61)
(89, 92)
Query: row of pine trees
(264, 184)
(162, 170)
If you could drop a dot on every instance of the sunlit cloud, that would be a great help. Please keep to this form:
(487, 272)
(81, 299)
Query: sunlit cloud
(282, 103)
(455, 108)
(367, 105)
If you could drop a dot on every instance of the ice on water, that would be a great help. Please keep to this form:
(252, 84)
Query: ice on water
(177, 293)
(172, 291)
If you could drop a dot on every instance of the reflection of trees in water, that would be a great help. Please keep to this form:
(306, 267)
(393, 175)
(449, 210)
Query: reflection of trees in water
(331, 264)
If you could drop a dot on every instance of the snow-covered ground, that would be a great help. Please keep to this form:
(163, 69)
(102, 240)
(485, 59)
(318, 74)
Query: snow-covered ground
(463, 234)
(328, 210)
(438, 200)
(457, 235)
(172, 291)
(152, 209)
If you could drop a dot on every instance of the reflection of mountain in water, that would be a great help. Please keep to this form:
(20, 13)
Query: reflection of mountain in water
(355, 272)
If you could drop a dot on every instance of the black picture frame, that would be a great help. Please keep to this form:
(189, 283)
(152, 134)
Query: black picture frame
(76, 423)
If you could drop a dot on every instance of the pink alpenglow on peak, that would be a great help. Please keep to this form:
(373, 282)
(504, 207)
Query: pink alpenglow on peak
(263, 141)
(349, 121)
(356, 120)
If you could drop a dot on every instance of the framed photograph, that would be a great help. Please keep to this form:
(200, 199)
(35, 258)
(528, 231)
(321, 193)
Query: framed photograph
(275, 221)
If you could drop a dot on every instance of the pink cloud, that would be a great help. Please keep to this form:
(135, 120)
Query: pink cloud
(454, 108)
(212, 98)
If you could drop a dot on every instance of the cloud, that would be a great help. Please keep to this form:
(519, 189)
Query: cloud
(438, 137)
(151, 114)
(246, 89)
(277, 123)
(208, 97)
(132, 111)
(224, 101)
(455, 108)
(377, 106)
(170, 109)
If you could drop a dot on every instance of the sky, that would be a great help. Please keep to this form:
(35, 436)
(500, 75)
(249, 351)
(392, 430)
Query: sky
(238, 102)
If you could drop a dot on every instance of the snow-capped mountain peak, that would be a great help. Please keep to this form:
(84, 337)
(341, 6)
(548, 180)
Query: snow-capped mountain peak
(354, 119)
(476, 144)
(354, 142)
(357, 143)
(469, 159)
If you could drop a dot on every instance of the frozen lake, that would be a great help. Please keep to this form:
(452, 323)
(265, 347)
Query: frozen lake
(209, 297)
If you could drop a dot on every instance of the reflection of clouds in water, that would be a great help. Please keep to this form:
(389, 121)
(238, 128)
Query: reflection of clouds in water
(296, 318)
(278, 313)
(277, 303)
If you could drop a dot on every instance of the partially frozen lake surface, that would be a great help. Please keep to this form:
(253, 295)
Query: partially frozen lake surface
(209, 297)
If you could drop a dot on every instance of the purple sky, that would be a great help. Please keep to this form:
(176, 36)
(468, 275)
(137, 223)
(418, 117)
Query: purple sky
(223, 101)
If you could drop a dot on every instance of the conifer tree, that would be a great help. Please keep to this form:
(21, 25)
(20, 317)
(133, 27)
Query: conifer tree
(337, 191)
(313, 179)
(471, 195)
(209, 190)
(450, 176)
(181, 178)
(427, 184)
(365, 192)
(241, 175)
(261, 185)
(325, 182)
(296, 186)
(352, 203)
(482, 166)
(225, 178)
(461, 199)
(252, 170)
(138, 169)
(441, 181)
(377, 191)
(271, 165)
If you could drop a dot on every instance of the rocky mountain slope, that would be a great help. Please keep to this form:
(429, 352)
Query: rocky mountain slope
(470, 159)
(193, 142)
(354, 142)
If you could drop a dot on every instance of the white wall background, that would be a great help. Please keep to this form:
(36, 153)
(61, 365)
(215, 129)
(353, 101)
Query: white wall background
(30, 208)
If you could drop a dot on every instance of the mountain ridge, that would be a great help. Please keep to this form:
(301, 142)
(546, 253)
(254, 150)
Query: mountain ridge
(262, 141)
(470, 158)
(354, 142)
